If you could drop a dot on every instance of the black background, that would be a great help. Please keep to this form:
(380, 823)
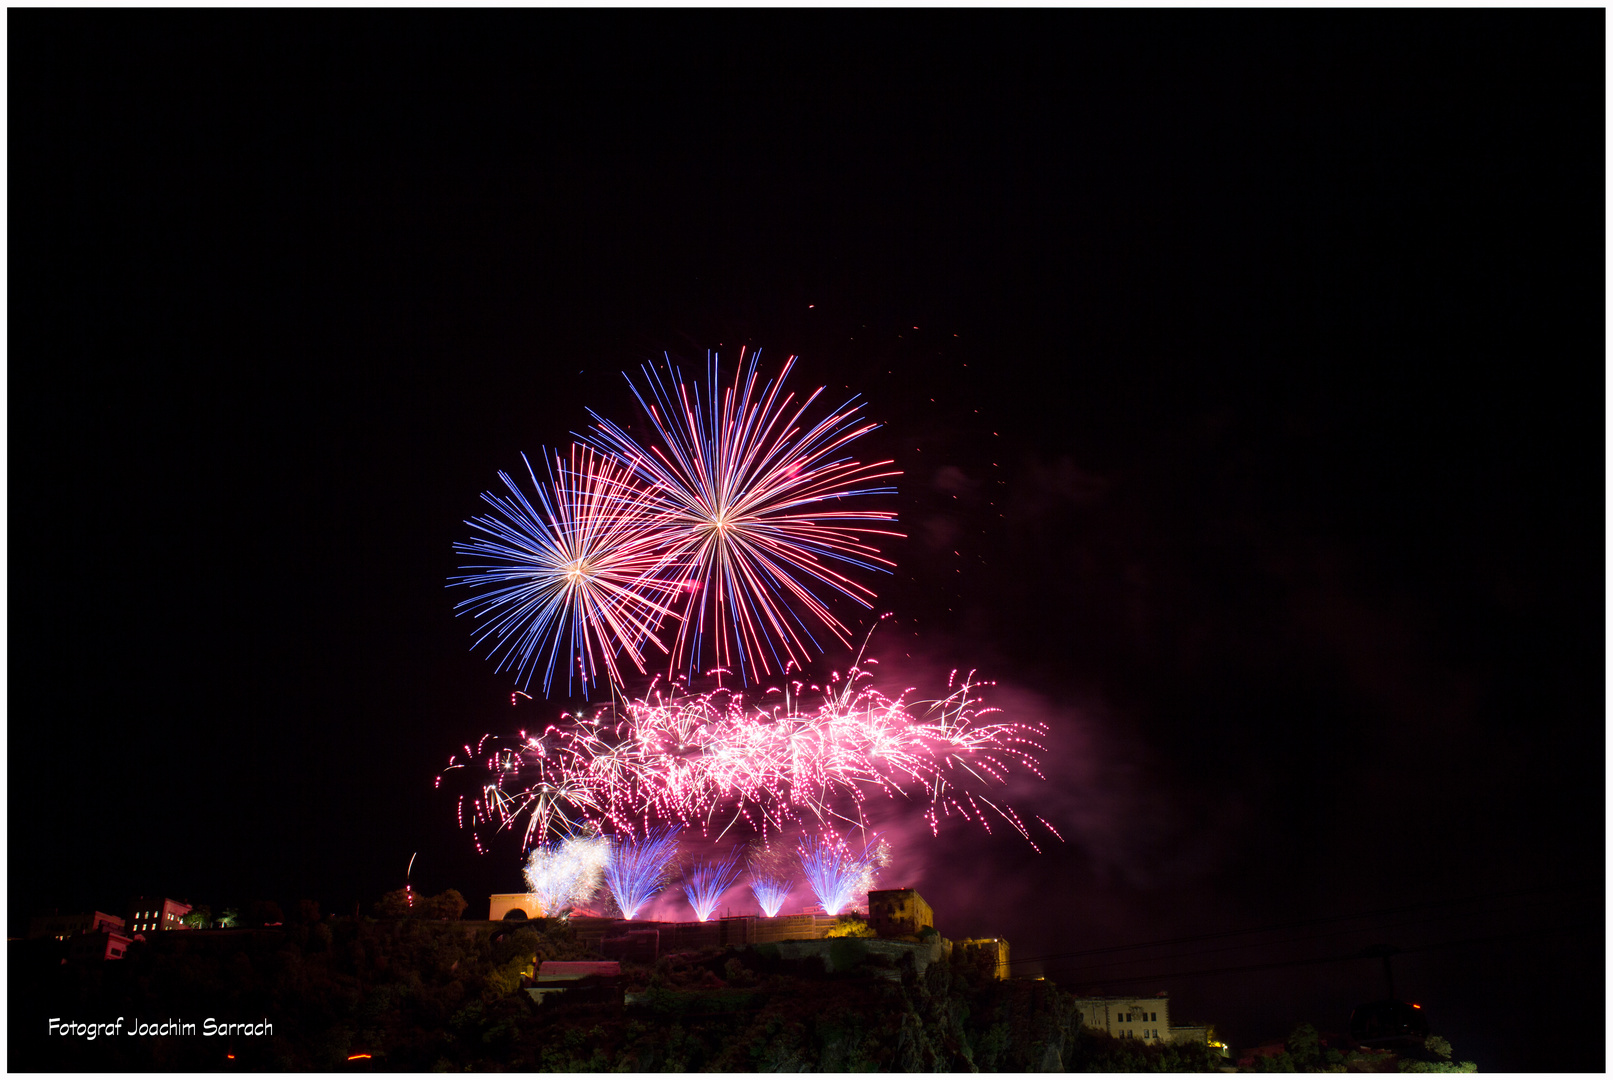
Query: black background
(1245, 370)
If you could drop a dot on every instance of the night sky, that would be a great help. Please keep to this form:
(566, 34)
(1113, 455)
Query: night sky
(1245, 371)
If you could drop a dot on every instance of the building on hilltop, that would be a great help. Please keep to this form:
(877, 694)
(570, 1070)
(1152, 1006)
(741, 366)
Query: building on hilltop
(62, 927)
(898, 913)
(512, 905)
(994, 950)
(148, 913)
(1147, 1019)
(108, 943)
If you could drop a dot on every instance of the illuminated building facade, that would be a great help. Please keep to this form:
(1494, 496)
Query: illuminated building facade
(1147, 1019)
(150, 913)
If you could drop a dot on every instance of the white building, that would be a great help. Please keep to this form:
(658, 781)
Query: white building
(1144, 1018)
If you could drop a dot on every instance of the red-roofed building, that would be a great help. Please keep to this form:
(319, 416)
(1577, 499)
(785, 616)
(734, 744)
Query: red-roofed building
(572, 970)
(588, 980)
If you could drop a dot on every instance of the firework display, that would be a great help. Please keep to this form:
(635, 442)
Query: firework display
(769, 867)
(521, 784)
(638, 869)
(750, 495)
(770, 893)
(572, 581)
(836, 871)
(714, 761)
(705, 880)
(717, 536)
(563, 873)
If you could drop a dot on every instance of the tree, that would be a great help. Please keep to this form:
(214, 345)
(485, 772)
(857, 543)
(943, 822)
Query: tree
(394, 905)
(446, 906)
(1436, 1058)
(1305, 1044)
(199, 918)
(851, 925)
(399, 904)
(264, 913)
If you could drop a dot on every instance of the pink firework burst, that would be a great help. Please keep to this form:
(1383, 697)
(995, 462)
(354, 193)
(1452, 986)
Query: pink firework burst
(715, 762)
(751, 498)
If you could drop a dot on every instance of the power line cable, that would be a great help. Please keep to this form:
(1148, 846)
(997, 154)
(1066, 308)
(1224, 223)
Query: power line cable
(1377, 929)
(1316, 921)
(1240, 969)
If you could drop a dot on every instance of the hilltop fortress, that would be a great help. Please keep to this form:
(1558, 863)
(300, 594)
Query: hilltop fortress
(901, 921)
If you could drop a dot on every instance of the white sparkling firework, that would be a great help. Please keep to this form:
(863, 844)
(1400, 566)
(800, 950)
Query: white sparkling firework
(564, 873)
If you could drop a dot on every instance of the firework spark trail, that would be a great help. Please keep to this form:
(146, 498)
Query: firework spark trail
(638, 869)
(572, 580)
(750, 496)
(712, 761)
(770, 893)
(563, 873)
(704, 882)
(838, 873)
(769, 867)
(528, 782)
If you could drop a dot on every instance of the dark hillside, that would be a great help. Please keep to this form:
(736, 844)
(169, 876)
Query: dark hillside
(421, 995)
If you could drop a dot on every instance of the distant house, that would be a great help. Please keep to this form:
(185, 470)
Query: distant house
(1147, 1019)
(147, 913)
(104, 944)
(62, 927)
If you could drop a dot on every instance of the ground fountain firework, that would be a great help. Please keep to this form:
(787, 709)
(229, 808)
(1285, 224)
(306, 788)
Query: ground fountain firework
(705, 880)
(639, 868)
(769, 866)
(839, 871)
